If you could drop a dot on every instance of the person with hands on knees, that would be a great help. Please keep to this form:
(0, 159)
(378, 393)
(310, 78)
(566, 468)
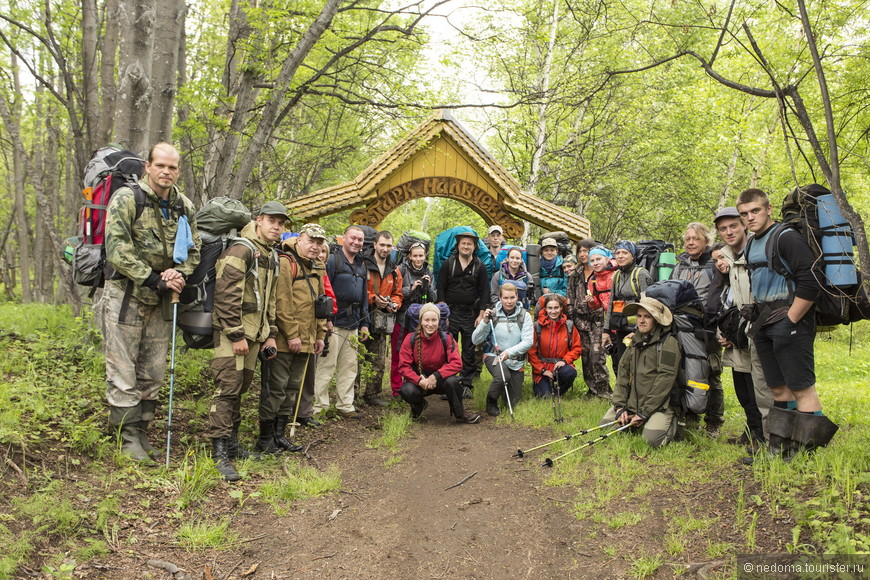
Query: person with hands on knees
(507, 331)
(646, 392)
(556, 346)
(246, 277)
(135, 307)
(429, 362)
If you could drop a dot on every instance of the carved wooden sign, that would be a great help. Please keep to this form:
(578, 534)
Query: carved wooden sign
(488, 207)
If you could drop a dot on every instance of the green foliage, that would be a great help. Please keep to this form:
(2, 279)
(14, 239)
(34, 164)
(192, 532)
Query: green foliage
(194, 479)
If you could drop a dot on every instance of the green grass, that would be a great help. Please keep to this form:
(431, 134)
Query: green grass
(394, 426)
(826, 492)
(299, 483)
(202, 535)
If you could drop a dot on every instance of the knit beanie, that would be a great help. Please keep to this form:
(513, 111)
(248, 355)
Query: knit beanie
(429, 307)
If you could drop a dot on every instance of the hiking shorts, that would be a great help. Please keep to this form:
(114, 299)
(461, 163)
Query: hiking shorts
(786, 353)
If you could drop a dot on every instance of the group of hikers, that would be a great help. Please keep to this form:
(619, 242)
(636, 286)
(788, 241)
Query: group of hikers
(310, 313)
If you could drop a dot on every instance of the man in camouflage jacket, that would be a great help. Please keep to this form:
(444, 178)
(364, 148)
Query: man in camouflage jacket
(243, 320)
(136, 327)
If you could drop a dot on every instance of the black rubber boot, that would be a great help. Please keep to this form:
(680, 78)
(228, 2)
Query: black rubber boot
(236, 451)
(148, 408)
(222, 459)
(125, 421)
(492, 407)
(780, 426)
(813, 431)
(266, 442)
(282, 441)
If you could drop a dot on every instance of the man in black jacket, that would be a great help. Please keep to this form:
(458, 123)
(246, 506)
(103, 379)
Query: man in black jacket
(464, 285)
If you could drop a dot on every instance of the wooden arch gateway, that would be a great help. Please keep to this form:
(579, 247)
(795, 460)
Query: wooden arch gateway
(439, 159)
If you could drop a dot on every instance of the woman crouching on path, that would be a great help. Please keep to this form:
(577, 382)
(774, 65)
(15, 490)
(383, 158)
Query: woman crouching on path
(505, 352)
(555, 348)
(430, 363)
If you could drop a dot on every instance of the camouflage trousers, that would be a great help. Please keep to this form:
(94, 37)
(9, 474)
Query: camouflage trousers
(286, 372)
(594, 359)
(233, 375)
(135, 347)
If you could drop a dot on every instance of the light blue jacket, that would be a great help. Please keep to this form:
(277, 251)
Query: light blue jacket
(511, 336)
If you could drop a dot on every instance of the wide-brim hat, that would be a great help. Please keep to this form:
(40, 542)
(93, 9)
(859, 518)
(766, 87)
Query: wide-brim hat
(467, 235)
(660, 312)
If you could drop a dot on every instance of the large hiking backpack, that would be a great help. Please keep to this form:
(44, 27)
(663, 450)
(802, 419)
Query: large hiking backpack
(400, 252)
(445, 247)
(412, 316)
(812, 211)
(569, 325)
(562, 241)
(657, 257)
(688, 328)
(218, 223)
(108, 170)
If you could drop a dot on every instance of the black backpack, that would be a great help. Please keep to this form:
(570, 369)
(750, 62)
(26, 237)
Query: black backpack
(649, 257)
(563, 242)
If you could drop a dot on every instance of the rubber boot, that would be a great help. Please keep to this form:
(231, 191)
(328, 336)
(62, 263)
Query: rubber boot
(236, 451)
(126, 421)
(813, 431)
(492, 407)
(266, 442)
(148, 408)
(280, 440)
(780, 426)
(221, 458)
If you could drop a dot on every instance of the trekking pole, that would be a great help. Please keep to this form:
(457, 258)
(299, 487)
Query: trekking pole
(557, 400)
(507, 395)
(171, 375)
(549, 462)
(521, 453)
(295, 424)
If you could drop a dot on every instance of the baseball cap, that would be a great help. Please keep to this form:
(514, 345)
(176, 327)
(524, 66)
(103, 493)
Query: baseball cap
(313, 230)
(549, 242)
(495, 228)
(726, 212)
(274, 208)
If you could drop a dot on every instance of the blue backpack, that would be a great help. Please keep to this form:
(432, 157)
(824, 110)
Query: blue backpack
(445, 246)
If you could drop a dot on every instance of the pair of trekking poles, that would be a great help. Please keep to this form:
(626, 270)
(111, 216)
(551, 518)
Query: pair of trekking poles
(556, 401)
(549, 461)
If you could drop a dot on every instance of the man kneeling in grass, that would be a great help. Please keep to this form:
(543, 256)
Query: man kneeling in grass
(647, 375)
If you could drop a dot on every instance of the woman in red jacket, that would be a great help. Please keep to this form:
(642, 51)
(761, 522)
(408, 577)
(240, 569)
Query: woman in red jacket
(556, 347)
(429, 363)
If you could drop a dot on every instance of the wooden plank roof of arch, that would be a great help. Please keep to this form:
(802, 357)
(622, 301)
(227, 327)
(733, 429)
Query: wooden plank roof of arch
(439, 158)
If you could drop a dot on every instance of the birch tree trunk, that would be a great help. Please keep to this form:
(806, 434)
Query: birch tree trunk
(164, 67)
(108, 58)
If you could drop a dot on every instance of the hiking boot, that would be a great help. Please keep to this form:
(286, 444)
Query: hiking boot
(282, 441)
(309, 422)
(742, 440)
(236, 451)
(712, 431)
(812, 431)
(266, 441)
(222, 460)
(492, 407)
(468, 417)
(349, 414)
(375, 401)
(417, 411)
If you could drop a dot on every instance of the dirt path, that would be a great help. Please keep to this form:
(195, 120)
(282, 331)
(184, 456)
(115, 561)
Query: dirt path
(400, 521)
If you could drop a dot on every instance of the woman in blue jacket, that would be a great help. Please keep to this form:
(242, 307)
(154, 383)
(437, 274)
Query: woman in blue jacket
(505, 352)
